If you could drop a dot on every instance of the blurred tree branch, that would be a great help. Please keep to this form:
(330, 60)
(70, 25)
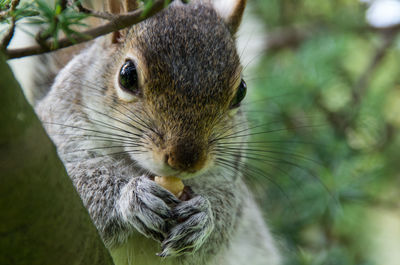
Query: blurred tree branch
(293, 36)
(361, 85)
(43, 220)
(340, 121)
(288, 37)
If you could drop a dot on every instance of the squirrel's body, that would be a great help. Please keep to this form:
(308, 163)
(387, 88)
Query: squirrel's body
(175, 122)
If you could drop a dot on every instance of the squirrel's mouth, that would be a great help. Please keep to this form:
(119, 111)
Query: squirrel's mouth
(152, 173)
(166, 171)
(178, 174)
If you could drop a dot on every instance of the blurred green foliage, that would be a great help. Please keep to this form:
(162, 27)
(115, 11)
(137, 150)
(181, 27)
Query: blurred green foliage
(330, 110)
(56, 19)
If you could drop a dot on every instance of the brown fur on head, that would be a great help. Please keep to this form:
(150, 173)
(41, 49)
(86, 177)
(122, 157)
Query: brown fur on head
(189, 73)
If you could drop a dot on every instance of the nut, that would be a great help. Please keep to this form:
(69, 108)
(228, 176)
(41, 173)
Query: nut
(173, 184)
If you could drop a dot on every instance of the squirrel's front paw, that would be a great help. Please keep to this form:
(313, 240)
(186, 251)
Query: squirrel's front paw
(195, 223)
(147, 207)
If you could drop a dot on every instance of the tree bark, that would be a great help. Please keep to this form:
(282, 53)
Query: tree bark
(42, 219)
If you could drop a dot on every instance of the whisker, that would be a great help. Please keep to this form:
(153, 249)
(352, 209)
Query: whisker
(291, 142)
(141, 123)
(287, 162)
(269, 131)
(257, 171)
(98, 92)
(85, 129)
(115, 128)
(262, 151)
(84, 137)
(109, 154)
(105, 147)
(110, 117)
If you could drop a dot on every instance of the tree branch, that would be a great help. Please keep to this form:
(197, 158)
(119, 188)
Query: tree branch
(340, 121)
(117, 23)
(8, 36)
(293, 36)
(43, 220)
(361, 85)
(288, 37)
(10, 33)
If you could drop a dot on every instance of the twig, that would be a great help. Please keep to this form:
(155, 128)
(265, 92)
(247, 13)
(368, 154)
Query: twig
(293, 36)
(41, 38)
(63, 4)
(361, 85)
(288, 37)
(8, 36)
(389, 29)
(338, 120)
(369, 200)
(10, 33)
(117, 23)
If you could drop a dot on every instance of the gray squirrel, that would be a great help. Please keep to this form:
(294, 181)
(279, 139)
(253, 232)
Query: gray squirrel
(164, 100)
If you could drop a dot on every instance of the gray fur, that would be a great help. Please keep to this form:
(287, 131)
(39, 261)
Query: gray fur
(190, 62)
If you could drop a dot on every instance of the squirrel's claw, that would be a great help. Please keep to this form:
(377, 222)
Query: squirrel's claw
(147, 207)
(194, 224)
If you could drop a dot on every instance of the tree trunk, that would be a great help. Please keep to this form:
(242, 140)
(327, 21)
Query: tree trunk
(42, 219)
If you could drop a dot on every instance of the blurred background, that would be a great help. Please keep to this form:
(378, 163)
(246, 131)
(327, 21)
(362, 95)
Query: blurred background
(324, 107)
(324, 85)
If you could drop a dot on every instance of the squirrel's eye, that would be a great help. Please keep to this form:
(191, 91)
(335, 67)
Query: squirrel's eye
(240, 94)
(128, 77)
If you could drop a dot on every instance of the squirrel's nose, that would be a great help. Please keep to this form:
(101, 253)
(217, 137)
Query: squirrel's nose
(186, 157)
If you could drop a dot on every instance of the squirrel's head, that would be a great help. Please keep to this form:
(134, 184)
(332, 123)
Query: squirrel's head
(177, 84)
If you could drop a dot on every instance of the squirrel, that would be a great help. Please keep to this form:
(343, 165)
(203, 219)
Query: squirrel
(162, 100)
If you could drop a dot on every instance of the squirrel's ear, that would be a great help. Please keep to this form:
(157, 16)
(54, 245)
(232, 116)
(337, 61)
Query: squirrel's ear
(118, 7)
(231, 11)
